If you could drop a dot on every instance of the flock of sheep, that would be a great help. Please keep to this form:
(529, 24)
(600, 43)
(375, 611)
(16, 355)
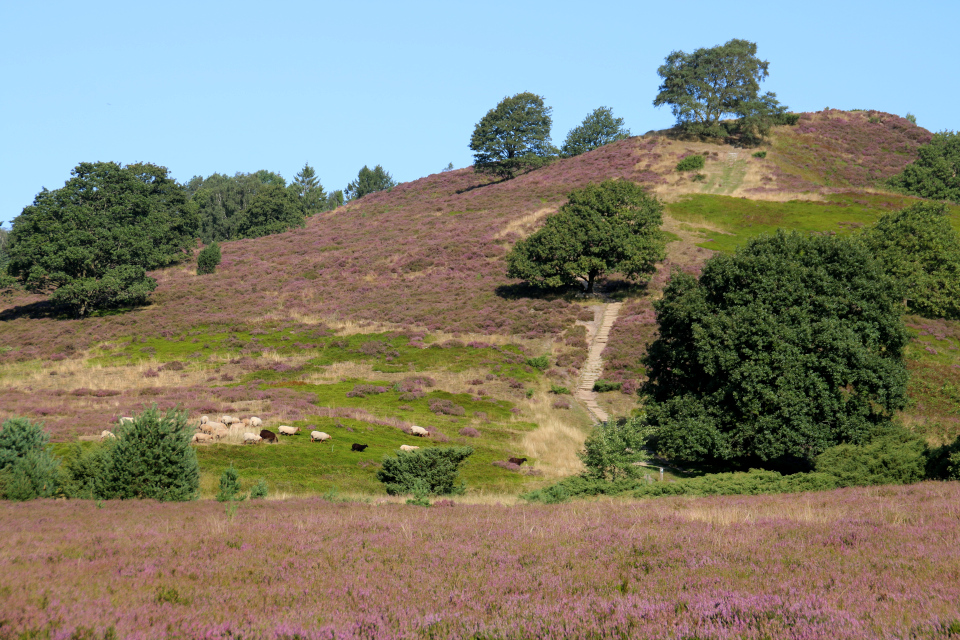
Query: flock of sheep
(211, 431)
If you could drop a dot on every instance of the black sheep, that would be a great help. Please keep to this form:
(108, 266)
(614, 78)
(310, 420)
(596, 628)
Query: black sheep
(358, 447)
(517, 461)
(268, 436)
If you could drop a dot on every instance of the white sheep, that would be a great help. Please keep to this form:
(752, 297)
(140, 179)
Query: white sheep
(228, 420)
(220, 433)
(125, 419)
(408, 447)
(319, 436)
(204, 419)
(202, 438)
(256, 422)
(106, 434)
(288, 431)
(251, 438)
(210, 427)
(418, 431)
(246, 422)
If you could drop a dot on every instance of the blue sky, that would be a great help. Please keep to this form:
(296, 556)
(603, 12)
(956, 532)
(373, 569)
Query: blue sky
(204, 87)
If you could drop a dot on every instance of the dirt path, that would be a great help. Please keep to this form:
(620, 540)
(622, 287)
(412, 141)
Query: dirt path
(594, 365)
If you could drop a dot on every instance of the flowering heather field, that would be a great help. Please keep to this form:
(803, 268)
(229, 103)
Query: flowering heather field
(836, 148)
(428, 253)
(853, 563)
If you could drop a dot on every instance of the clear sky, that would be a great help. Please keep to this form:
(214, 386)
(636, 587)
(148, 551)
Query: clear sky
(203, 87)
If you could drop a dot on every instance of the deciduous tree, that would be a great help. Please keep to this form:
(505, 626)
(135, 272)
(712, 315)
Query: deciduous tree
(273, 210)
(597, 129)
(92, 241)
(369, 181)
(935, 173)
(609, 227)
(513, 137)
(789, 347)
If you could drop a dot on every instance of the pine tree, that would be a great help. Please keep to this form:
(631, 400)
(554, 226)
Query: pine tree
(309, 191)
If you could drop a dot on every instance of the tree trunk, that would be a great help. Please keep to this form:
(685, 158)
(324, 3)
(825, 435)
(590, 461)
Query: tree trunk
(590, 278)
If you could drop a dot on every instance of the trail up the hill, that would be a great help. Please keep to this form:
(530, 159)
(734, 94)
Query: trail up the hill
(594, 365)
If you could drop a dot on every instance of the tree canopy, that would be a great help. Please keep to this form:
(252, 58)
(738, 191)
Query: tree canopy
(223, 201)
(935, 173)
(92, 241)
(779, 352)
(309, 191)
(705, 86)
(513, 137)
(273, 209)
(613, 226)
(597, 129)
(919, 247)
(369, 181)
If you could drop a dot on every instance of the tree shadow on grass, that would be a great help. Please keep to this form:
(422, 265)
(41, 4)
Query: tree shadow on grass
(46, 309)
(524, 290)
(481, 185)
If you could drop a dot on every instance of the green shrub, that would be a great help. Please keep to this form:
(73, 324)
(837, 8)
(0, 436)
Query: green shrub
(229, 486)
(541, 362)
(699, 177)
(435, 469)
(27, 469)
(602, 386)
(81, 470)
(760, 154)
(896, 457)
(943, 463)
(690, 163)
(613, 447)
(935, 174)
(33, 475)
(559, 390)
(259, 490)
(151, 458)
(208, 259)
(789, 119)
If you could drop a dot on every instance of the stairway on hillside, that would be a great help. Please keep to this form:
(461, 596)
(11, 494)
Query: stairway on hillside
(594, 365)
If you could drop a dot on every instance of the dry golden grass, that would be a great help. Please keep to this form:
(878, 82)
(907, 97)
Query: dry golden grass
(525, 225)
(559, 436)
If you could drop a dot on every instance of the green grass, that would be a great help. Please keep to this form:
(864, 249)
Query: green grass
(740, 219)
(387, 352)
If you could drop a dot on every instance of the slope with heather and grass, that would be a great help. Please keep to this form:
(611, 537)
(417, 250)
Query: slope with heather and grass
(410, 284)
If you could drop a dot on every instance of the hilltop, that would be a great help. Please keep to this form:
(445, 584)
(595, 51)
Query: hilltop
(290, 323)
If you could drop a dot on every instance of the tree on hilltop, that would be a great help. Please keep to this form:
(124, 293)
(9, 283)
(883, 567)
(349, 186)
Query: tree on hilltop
(273, 209)
(712, 83)
(92, 241)
(309, 191)
(597, 129)
(789, 347)
(513, 137)
(369, 181)
(613, 226)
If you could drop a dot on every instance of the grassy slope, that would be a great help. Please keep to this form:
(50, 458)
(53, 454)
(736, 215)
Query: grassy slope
(369, 292)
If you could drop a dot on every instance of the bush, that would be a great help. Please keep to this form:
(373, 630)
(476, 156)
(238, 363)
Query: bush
(27, 469)
(229, 486)
(559, 390)
(81, 470)
(760, 154)
(897, 457)
(690, 163)
(613, 447)
(446, 407)
(259, 490)
(432, 470)
(943, 463)
(602, 386)
(151, 458)
(208, 259)
(469, 432)
(540, 363)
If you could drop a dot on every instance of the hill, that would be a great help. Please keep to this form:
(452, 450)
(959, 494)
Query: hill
(410, 282)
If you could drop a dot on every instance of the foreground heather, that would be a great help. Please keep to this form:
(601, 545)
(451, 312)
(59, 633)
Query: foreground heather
(858, 563)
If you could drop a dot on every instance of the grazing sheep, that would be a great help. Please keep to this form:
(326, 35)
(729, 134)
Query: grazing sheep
(256, 422)
(228, 419)
(288, 431)
(517, 461)
(106, 434)
(202, 438)
(419, 431)
(125, 419)
(210, 427)
(319, 436)
(408, 447)
(204, 419)
(220, 433)
(246, 422)
(251, 438)
(269, 436)
(358, 447)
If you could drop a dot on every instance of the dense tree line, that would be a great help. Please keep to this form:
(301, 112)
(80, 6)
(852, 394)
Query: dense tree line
(935, 174)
